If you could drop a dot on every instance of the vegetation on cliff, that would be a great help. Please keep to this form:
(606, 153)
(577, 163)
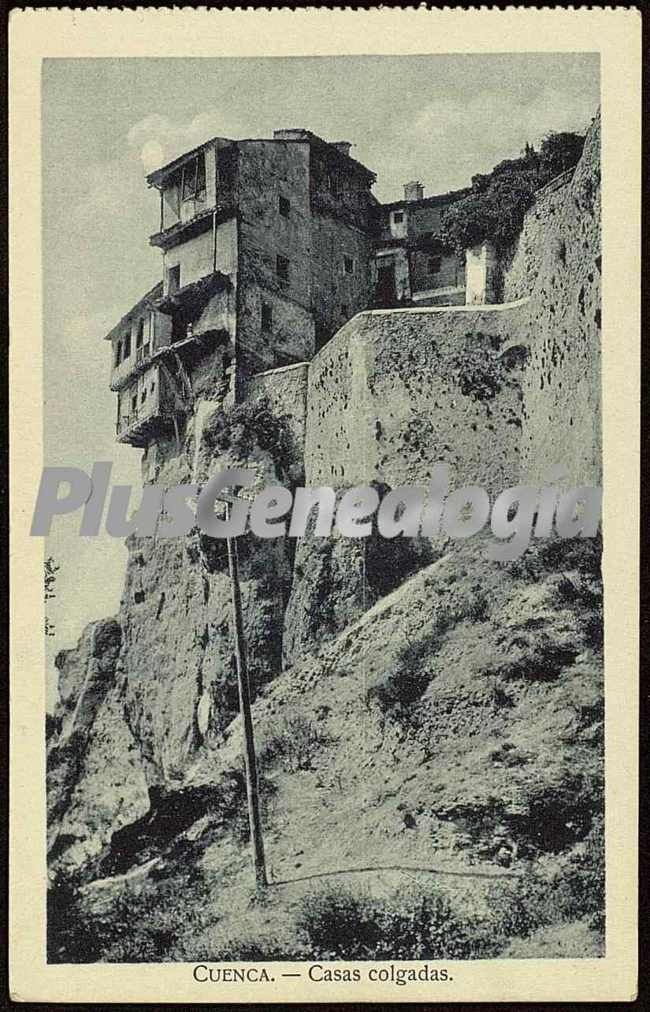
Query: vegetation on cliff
(432, 788)
(496, 206)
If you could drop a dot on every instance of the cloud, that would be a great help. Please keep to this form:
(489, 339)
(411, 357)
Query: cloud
(494, 121)
(158, 140)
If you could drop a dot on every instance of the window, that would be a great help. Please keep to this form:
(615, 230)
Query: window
(434, 265)
(153, 386)
(398, 217)
(348, 263)
(267, 316)
(173, 279)
(282, 266)
(143, 396)
(118, 353)
(285, 207)
(127, 346)
(193, 185)
(140, 335)
(134, 403)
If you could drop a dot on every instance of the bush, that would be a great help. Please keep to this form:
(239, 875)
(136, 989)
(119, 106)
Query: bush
(342, 924)
(572, 890)
(405, 682)
(496, 213)
(295, 743)
(496, 206)
(251, 424)
(134, 928)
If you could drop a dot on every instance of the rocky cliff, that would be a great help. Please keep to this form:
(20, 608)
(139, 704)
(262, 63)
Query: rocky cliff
(416, 704)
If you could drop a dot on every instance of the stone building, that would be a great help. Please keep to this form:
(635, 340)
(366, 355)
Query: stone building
(268, 247)
(411, 266)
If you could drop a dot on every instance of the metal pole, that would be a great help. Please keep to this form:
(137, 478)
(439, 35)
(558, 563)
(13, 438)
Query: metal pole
(250, 762)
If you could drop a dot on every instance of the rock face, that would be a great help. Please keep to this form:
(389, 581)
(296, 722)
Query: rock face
(473, 689)
(336, 579)
(470, 697)
(561, 417)
(95, 777)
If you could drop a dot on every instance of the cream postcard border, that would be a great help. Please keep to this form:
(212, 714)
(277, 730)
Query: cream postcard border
(48, 33)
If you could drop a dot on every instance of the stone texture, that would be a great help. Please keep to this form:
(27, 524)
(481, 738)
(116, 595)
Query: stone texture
(561, 417)
(500, 665)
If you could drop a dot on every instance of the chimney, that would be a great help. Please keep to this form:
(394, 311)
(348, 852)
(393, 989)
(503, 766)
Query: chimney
(413, 191)
(342, 146)
(295, 134)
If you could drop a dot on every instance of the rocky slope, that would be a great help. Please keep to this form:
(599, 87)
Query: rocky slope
(418, 709)
(450, 749)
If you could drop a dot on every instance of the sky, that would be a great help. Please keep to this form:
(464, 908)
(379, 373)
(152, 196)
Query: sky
(107, 122)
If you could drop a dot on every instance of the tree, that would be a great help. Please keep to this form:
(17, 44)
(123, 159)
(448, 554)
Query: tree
(496, 213)
(559, 152)
(499, 200)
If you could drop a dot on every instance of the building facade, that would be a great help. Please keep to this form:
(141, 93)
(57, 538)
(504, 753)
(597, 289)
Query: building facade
(268, 247)
(411, 266)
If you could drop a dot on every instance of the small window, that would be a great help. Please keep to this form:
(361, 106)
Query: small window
(193, 187)
(348, 263)
(267, 316)
(285, 207)
(174, 279)
(140, 335)
(282, 265)
(143, 396)
(153, 386)
(434, 265)
(134, 403)
(398, 217)
(118, 353)
(127, 346)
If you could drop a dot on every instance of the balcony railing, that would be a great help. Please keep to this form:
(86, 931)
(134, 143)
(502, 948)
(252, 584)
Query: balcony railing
(124, 422)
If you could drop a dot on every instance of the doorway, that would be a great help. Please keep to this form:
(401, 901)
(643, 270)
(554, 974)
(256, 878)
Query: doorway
(386, 294)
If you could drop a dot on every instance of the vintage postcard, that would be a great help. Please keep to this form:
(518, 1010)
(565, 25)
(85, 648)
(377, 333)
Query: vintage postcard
(324, 347)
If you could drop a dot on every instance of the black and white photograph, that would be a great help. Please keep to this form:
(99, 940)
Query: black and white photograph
(320, 509)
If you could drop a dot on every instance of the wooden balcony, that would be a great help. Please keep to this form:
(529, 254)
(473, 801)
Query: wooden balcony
(133, 366)
(143, 425)
(181, 231)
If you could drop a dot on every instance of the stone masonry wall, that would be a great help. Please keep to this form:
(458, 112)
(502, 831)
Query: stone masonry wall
(285, 391)
(269, 171)
(522, 266)
(396, 391)
(562, 327)
(391, 395)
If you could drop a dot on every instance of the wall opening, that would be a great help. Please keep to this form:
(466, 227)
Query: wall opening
(173, 279)
(282, 267)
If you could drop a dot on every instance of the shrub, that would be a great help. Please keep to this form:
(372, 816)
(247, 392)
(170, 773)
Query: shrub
(135, 927)
(295, 743)
(342, 924)
(572, 890)
(251, 424)
(406, 680)
(496, 213)
(496, 206)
